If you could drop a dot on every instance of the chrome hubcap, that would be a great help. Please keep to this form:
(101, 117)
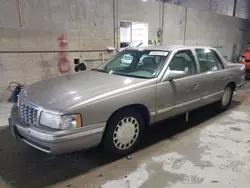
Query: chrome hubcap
(126, 133)
(226, 96)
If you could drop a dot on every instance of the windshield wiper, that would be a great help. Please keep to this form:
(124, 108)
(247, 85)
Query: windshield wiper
(119, 73)
(129, 75)
(99, 70)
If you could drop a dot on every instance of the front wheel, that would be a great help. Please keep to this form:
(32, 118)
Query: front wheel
(123, 132)
(226, 99)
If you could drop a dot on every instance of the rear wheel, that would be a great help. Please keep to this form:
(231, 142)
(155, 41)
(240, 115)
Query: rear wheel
(226, 99)
(123, 132)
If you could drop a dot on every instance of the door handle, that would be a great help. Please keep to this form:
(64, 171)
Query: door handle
(224, 77)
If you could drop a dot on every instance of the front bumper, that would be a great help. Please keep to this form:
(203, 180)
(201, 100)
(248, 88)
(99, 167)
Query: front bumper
(56, 142)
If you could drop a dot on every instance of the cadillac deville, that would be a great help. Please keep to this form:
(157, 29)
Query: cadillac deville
(113, 104)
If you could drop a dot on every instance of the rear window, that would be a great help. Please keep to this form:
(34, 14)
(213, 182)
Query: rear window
(209, 60)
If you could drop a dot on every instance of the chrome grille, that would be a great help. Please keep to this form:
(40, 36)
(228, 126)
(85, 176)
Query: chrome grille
(28, 114)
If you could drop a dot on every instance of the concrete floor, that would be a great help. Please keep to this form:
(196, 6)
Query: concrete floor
(211, 150)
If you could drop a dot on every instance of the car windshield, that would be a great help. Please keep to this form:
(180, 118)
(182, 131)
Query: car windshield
(135, 63)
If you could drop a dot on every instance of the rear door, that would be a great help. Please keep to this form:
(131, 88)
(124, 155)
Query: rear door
(213, 75)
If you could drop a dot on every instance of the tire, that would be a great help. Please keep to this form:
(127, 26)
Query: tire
(226, 99)
(123, 132)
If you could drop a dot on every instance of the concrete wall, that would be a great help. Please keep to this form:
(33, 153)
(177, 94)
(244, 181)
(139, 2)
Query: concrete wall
(174, 24)
(87, 25)
(224, 7)
(43, 21)
(196, 4)
(204, 28)
(243, 9)
(94, 25)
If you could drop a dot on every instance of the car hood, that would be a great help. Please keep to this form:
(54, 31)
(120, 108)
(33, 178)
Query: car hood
(58, 93)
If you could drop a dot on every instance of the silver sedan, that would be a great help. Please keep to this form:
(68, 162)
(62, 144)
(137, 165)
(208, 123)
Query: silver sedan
(113, 104)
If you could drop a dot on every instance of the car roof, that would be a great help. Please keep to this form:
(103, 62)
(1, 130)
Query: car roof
(170, 47)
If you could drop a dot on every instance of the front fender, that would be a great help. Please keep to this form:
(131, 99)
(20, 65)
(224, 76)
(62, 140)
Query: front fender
(100, 110)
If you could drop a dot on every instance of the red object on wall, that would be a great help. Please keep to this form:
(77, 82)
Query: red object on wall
(63, 62)
(245, 59)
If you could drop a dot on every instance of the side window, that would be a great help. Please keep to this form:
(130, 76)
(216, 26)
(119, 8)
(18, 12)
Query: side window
(184, 61)
(218, 60)
(209, 60)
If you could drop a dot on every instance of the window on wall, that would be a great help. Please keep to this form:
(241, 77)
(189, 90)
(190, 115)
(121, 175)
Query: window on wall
(184, 61)
(209, 60)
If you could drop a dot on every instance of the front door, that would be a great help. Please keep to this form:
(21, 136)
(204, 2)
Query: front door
(179, 95)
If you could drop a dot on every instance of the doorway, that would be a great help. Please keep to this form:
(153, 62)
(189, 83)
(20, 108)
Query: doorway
(133, 34)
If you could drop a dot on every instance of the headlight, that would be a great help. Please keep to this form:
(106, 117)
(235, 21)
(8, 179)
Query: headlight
(71, 121)
(60, 122)
(50, 120)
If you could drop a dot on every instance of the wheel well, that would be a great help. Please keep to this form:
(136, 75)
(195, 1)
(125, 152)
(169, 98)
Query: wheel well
(233, 85)
(140, 108)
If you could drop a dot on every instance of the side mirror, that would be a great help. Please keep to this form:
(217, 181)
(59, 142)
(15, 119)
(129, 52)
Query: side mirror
(176, 74)
(173, 74)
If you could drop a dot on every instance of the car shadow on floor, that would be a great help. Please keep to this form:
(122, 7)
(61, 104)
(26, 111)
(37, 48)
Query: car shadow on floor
(23, 166)
(168, 129)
